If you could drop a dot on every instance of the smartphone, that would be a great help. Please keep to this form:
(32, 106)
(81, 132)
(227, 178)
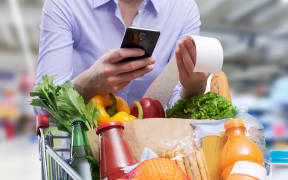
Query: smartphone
(145, 39)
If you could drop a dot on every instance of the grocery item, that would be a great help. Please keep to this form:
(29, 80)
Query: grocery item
(212, 147)
(64, 104)
(254, 128)
(245, 170)
(115, 153)
(151, 108)
(238, 148)
(159, 168)
(278, 165)
(180, 158)
(210, 135)
(81, 152)
(112, 108)
(201, 161)
(219, 85)
(122, 117)
(207, 106)
(193, 164)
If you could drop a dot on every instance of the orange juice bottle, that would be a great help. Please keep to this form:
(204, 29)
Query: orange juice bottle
(238, 148)
(244, 170)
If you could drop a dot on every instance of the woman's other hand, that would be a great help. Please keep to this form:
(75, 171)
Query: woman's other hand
(194, 83)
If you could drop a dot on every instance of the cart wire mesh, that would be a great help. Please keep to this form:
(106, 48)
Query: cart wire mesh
(52, 165)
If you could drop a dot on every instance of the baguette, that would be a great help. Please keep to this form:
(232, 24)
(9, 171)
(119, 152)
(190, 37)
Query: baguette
(219, 85)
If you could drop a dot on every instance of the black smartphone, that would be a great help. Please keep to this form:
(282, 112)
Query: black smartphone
(145, 39)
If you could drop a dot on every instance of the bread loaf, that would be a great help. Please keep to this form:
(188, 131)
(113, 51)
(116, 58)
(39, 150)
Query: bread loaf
(219, 85)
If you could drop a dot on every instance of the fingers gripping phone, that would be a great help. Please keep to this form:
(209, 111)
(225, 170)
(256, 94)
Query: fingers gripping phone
(145, 39)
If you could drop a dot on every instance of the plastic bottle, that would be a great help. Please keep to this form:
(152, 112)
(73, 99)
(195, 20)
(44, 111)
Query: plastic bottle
(238, 148)
(245, 170)
(254, 128)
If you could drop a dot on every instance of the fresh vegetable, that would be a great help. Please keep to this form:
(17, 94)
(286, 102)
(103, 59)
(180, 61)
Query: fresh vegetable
(151, 108)
(112, 108)
(207, 106)
(64, 104)
(122, 117)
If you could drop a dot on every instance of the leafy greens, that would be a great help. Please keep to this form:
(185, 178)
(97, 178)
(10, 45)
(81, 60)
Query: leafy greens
(207, 106)
(64, 104)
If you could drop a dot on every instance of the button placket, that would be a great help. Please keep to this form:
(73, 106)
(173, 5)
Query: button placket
(118, 13)
(137, 19)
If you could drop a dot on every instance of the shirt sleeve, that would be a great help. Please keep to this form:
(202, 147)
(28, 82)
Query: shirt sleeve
(56, 43)
(191, 26)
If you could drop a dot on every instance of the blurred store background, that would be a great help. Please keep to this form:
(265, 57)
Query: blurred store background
(254, 34)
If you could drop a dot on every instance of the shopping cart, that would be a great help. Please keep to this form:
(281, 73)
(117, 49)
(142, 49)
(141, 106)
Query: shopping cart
(53, 167)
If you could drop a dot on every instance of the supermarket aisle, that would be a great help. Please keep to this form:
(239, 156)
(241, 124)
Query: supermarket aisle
(19, 160)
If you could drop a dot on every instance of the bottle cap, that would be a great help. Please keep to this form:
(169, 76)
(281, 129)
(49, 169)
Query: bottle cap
(234, 123)
(77, 120)
(279, 156)
(250, 169)
(109, 125)
(242, 109)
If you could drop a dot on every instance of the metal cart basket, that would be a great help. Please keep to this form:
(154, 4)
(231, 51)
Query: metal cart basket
(53, 167)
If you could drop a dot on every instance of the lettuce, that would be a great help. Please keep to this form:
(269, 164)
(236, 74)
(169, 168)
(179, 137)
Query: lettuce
(64, 104)
(207, 106)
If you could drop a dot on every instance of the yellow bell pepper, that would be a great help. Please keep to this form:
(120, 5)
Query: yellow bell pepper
(112, 109)
(122, 117)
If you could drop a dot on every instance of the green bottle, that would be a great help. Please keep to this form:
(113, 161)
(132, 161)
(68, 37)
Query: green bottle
(80, 150)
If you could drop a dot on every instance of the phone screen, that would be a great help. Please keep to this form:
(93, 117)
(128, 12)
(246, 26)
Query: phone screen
(145, 39)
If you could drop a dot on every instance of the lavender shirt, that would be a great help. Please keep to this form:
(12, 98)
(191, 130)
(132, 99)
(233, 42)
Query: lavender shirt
(75, 33)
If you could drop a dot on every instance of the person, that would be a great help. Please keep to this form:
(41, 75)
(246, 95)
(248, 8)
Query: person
(80, 41)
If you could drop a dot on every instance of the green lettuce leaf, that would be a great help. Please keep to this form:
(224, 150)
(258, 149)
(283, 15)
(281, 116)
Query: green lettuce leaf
(207, 106)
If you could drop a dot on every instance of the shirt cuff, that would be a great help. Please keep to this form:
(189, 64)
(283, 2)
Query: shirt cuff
(175, 96)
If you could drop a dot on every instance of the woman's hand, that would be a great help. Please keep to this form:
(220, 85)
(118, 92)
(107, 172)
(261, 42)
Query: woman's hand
(109, 75)
(194, 83)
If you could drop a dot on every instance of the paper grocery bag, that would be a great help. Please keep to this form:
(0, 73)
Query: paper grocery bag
(154, 133)
(162, 87)
(94, 143)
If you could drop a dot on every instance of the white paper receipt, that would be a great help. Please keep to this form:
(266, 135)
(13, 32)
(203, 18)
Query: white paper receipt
(209, 55)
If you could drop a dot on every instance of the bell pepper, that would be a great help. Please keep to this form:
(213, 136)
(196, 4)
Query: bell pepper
(123, 117)
(151, 108)
(113, 109)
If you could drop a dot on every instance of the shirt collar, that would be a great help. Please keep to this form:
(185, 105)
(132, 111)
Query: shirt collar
(97, 3)
(156, 4)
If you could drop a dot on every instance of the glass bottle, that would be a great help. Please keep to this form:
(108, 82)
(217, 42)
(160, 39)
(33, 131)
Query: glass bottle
(80, 150)
(115, 153)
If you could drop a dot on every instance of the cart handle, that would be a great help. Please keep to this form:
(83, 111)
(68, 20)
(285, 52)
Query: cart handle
(42, 122)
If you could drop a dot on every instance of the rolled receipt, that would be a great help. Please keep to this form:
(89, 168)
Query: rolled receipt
(209, 55)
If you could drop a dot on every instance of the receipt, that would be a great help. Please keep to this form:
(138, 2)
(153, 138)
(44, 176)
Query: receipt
(209, 55)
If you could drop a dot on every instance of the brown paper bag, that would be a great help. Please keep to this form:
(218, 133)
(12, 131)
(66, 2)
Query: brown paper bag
(153, 133)
(167, 81)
